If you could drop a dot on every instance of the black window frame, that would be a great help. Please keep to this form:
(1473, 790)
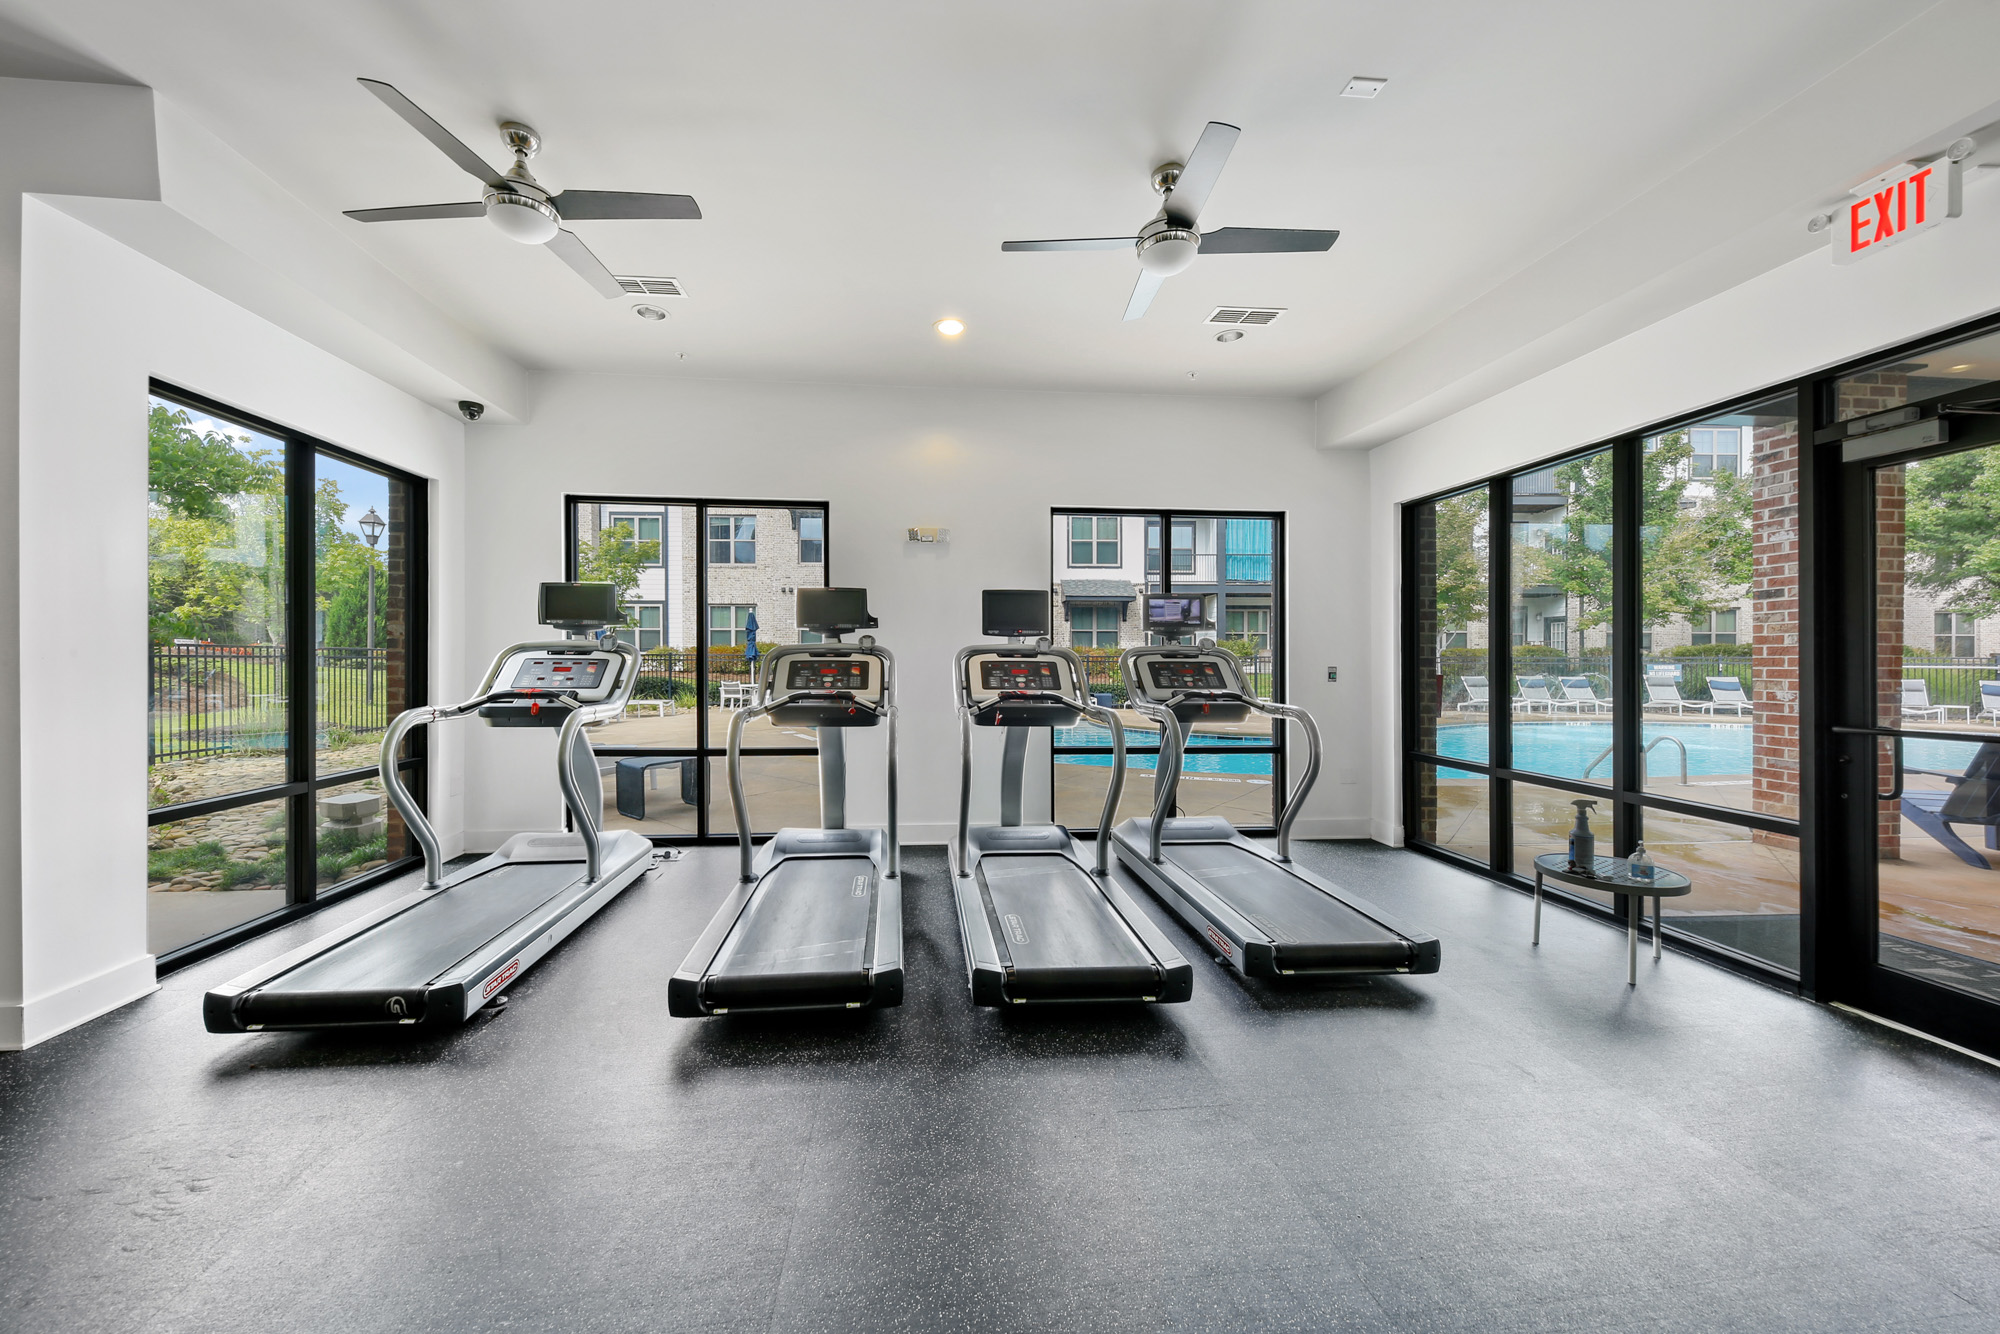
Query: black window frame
(1162, 521)
(707, 748)
(303, 781)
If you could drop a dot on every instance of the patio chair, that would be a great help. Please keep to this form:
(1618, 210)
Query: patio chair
(1917, 701)
(1724, 692)
(1662, 693)
(1534, 694)
(1989, 701)
(1475, 694)
(1974, 798)
(1580, 694)
(736, 694)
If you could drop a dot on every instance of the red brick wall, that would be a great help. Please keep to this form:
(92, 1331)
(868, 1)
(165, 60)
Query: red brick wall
(1774, 617)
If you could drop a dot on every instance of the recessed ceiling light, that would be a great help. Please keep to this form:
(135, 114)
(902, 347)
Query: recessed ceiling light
(649, 312)
(1966, 367)
(1362, 85)
(1229, 335)
(949, 327)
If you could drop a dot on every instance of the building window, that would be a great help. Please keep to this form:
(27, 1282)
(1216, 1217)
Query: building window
(1717, 449)
(642, 626)
(1093, 539)
(1183, 547)
(812, 537)
(1455, 639)
(1955, 637)
(640, 531)
(732, 539)
(1555, 632)
(1254, 624)
(1717, 627)
(1093, 626)
(728, 624)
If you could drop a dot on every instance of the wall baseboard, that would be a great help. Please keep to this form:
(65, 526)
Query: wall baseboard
(1382, 831)
(1332, 827)
(45, 1016)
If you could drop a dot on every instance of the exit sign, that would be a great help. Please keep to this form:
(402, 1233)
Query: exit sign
(1895, 205)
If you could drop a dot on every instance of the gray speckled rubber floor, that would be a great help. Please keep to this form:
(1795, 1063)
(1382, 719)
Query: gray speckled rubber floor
(1520, 1142)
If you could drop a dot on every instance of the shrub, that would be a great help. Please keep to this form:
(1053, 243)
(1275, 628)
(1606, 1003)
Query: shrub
(170, 862)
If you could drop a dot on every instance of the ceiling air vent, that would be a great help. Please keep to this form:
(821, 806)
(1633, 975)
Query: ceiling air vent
(637, 286)
(1245, 314)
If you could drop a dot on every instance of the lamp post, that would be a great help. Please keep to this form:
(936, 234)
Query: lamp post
(371, 528)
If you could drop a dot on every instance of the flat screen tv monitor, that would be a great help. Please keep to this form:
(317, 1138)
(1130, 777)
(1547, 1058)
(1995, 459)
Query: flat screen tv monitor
(1009, 613)
(834, 611)
(579, 606)
(1172, 616)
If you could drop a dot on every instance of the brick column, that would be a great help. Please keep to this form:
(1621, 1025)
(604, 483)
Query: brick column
(1774, 618)
(1889, 574)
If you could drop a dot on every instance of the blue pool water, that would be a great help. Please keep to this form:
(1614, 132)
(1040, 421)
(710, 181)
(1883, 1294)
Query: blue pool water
(1564, 749)
(1200, 760)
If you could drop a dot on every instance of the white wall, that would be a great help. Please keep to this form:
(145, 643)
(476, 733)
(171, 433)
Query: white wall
(98, 319)
(987, 465)
(1796, 319)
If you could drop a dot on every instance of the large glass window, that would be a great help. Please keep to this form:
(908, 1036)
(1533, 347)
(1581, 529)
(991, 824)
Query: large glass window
(704, 612)
(1709, 711)
(1229, 562)
(281, 647)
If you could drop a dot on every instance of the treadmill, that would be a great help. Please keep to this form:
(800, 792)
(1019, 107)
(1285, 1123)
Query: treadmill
(432, 959)
(1258, 910)
(815, 920)
(1039, 923)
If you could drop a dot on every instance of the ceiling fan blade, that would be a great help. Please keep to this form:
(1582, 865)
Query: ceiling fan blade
(585, 205)
(573, 252)
(1143, 293)
(1198, 177)
(1081, 243)
(411, 212)
(1265, 241)
(444, 140)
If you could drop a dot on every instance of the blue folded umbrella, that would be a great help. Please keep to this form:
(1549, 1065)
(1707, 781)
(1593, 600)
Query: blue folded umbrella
(750, 637)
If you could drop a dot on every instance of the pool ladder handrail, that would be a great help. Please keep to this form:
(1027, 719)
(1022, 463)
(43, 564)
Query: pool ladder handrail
(1643, 754)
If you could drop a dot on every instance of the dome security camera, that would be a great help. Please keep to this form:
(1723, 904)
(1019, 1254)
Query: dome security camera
(470, 410)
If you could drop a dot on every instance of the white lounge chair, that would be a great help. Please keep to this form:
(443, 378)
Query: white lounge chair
(1725, 693)
(1989, 701)
(1662, 693)
(1917, 701)
(1534, 694)
(1580, 694)
(736, 694)
(1475, 694)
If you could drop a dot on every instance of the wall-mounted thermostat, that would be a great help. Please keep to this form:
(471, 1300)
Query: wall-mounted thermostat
(929, 534)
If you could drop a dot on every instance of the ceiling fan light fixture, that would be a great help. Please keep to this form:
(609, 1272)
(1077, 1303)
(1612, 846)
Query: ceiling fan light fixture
(949, 327)
(1168, 251)
(522, 217)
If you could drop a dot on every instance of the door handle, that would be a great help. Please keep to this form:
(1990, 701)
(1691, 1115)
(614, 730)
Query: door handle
(1895, 792)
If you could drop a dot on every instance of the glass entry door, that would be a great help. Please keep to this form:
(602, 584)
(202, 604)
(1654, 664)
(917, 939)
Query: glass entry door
(1918, 763)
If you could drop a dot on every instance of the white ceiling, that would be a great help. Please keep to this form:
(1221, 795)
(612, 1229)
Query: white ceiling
(859, 164)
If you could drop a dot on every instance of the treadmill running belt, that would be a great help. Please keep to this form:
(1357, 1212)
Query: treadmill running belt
(802, 939)
(1309, 927)
(1063, 936)
(416, 945)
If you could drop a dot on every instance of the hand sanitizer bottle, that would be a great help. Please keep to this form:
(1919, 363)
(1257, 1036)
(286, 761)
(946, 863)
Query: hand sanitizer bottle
(1583, 843)
(1640, 867)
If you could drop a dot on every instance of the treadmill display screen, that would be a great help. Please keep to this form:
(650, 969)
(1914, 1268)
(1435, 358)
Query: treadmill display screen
(1195, 675)
(820, 674)
(560, 674)
(1018, 674)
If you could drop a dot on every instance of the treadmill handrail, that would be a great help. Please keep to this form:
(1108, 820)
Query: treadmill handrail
(1168, 786)
(613, 706)
(1078, 698)
(766, 678)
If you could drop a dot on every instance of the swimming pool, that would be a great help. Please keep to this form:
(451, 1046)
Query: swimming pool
(1564, 750)
(1196, 761)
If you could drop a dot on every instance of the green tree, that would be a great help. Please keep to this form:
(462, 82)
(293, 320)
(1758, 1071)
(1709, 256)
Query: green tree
(1461, 555)
(615, 558)
(196, 475)
(1952, 527)
(215, 534)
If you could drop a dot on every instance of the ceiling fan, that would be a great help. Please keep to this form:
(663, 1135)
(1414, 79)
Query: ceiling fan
(515, 202)
(1169, 243)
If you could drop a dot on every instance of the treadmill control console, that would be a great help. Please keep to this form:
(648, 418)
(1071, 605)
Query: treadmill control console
(1204, 683)
(1012, 689)
(559, 673)
(848, 674)
(544, 673)
(826, 688)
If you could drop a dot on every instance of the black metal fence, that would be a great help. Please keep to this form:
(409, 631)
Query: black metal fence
(219, 699)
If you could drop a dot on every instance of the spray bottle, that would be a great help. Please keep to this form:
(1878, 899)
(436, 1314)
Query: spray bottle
(1583, 843)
